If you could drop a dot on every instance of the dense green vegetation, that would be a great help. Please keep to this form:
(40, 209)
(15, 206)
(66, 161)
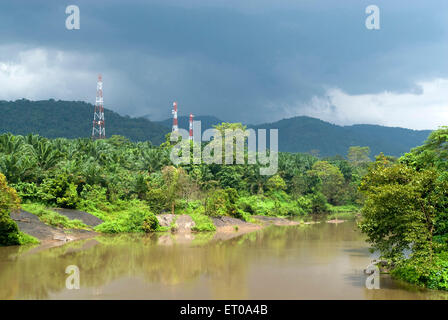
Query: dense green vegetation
(9, 232)
(72, 119)
(406, 211)
(53, 218)
(126, 183)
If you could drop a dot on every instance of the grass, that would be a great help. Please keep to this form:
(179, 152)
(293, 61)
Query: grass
(27, 239)
(202, 222)
(53, 218)
(347, 212)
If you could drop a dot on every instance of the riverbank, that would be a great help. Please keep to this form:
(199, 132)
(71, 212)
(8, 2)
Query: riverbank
(53, 226)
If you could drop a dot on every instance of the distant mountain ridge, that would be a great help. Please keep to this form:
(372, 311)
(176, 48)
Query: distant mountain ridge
(73, 119)
(305, 134)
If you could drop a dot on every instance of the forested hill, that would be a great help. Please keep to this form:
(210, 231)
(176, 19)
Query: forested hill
(311, 135)
(305, 134)
(73, 119)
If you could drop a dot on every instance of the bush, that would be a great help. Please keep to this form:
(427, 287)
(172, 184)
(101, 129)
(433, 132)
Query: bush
(305, 204)
(25, 239)
(9, 201)
(422, 272)
(151, 223)
(221, 202)
(9, 232)
(53, 218)
(319, 203)
(70, 198)
(27, 191)
(59, 191)
(157, 200)
(125, 221)
(202, 222)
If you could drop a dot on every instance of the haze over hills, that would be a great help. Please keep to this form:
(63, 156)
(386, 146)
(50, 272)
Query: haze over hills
(73, 119)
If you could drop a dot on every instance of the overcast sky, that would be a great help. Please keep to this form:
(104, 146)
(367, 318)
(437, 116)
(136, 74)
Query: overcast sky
(250, 61)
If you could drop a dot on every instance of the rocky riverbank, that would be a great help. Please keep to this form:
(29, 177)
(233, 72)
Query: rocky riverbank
(226, 227)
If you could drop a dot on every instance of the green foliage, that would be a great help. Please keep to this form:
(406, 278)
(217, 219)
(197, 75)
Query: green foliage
(433, 275)
(40, 117)
(218, 203)
(319, 203)
(151, 223)
(60, 191)
(406, 208)
(118, 180)
(25, 239)
(9, 232)
(132, 220)
(53, 218)
(400, 208)
(331, 181)
(202, 222)
(157, 199)
(276, 183)
(27, 190)
(9, 201)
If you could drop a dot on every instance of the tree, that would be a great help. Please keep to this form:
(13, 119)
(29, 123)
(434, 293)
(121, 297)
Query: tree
(332, 180)
(175, 181)
(401, 208)
(276, 183)
(359, 158)
(9, 201)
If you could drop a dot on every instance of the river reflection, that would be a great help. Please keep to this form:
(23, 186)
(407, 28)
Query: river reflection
(322, 261)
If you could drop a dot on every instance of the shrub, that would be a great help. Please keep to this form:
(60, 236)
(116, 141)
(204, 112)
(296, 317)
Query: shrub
(27, 191)
(53, 218)
(319, 203)
(276, 183)
(202, 222)
(126, 221)
(157, 200)
(9, 201)
(9, 232)
(70, 198)
(60, 191)
(27, 239)
(151, 223)
(221, 202)
(422, 272)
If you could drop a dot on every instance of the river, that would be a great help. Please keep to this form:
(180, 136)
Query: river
(320, 261)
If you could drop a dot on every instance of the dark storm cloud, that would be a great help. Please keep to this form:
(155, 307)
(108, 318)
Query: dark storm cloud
(240, 60)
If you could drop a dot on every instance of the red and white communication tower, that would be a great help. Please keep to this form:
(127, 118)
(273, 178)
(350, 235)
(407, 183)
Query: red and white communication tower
(99, 125)
(191, 127)
(174, 111)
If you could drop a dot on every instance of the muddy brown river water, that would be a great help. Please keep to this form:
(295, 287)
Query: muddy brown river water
(321, 261)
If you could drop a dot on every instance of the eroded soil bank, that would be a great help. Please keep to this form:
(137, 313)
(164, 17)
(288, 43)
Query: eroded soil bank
(226, 227)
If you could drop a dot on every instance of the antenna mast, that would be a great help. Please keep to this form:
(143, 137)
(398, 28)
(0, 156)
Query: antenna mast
(174, 111)
(99, 125)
